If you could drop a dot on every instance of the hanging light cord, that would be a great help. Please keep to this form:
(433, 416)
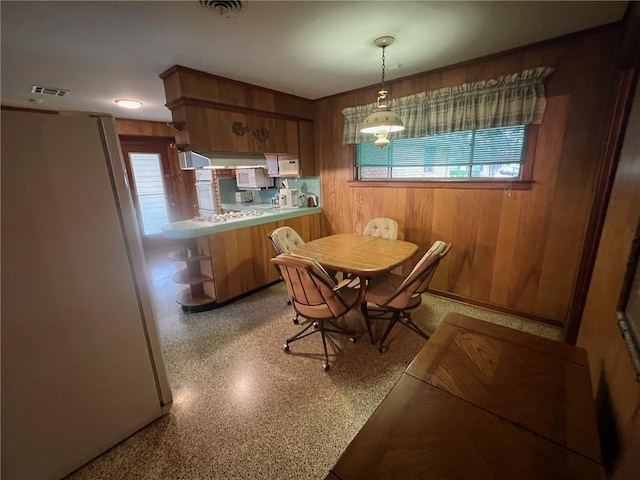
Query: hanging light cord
(383, 49)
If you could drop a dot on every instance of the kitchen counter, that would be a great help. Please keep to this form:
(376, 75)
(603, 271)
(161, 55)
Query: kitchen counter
(265, 214)
(226, 259)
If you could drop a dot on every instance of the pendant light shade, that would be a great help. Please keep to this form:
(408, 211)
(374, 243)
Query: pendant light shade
(382, 120)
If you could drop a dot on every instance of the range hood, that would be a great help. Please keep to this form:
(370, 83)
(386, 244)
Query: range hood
(193, 160)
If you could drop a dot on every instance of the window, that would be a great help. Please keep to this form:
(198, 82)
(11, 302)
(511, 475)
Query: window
(487, 154)
(149, 185)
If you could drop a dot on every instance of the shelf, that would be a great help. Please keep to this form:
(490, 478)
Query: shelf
(185, 278)
(195, 303)
(188, 300)
(176, 257)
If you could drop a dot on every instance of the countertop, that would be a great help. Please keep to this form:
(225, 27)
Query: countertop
(267, 213)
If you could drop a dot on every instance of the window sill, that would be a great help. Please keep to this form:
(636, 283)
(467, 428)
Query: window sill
(469, 184)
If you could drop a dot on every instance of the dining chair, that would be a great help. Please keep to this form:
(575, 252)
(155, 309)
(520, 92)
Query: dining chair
(285, 239)
(391, 297)
(382, 227)
(316, 296)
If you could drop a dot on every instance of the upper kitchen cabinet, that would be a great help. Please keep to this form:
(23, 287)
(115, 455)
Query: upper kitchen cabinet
(216, 130)
(212, 113)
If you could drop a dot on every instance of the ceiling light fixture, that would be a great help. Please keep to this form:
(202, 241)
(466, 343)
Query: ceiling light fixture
(124, 103)
(382, 120)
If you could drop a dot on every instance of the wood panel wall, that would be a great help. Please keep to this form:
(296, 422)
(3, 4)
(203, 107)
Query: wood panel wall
(613, 375)
(516, 251)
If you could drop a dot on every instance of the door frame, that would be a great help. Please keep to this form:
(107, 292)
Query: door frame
(162, 147)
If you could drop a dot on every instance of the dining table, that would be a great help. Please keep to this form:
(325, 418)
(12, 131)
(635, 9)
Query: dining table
(482, 401)
(361, 255)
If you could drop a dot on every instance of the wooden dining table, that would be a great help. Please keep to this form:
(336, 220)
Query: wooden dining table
(358, 254)
(482, 401)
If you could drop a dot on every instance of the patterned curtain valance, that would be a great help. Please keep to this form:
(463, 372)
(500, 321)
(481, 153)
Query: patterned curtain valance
(516, 99)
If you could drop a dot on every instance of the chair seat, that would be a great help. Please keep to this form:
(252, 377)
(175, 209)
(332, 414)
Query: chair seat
(391, 297)
(381, 288)
(349, 295)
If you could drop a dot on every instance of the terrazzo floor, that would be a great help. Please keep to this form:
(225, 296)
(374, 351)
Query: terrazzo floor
(244, 409)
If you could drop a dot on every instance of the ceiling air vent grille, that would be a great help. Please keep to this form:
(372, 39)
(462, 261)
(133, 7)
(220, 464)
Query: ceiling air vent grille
(56, 92)
(224, 8)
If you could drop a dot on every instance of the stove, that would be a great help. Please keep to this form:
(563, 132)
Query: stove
(229, 216)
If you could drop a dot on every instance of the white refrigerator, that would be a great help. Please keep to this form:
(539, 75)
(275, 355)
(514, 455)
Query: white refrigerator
(81, 365)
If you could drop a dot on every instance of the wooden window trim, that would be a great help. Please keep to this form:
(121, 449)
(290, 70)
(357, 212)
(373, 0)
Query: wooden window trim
(523, 183)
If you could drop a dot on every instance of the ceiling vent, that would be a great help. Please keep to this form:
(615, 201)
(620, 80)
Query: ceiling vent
(56, 92)
(224, 8)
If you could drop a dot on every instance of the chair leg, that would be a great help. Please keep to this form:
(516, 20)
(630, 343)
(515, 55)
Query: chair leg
(319, 326)
(325, 365)
(407, 322)
(394, 319)
(365, 314)
(299, 335)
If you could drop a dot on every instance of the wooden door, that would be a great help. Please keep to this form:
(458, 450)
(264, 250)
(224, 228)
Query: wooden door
(152, 186)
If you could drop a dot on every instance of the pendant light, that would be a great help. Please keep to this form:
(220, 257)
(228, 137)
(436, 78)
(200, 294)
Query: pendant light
(382, 120)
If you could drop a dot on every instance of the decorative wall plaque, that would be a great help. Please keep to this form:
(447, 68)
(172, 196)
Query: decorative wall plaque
(261, 134)
(239, 128)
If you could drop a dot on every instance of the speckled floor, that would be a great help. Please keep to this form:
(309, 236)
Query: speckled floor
(244, 409)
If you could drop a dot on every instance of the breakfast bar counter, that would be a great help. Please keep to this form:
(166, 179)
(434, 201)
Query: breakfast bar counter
(240, 217)
(229, 255)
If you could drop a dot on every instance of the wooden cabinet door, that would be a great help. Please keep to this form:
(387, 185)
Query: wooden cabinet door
(216, 130)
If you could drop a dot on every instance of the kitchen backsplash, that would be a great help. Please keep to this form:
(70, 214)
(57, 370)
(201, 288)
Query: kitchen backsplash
(228, 189)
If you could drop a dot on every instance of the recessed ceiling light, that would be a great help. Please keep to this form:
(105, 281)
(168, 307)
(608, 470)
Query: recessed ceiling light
(129, 103)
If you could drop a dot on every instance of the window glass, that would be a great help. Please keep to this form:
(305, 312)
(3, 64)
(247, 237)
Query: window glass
(147, 175)
(491, 153)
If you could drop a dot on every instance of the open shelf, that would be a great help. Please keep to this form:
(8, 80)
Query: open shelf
(186, 278)
(178, 257)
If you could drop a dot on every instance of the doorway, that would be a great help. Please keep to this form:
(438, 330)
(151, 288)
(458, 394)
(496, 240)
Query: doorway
(150, 176)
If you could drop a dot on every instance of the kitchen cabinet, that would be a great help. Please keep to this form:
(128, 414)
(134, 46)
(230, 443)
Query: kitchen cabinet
(217, 130)
(241, 258)
(200, 294)
(275, 164)
(224, 265)
(212, 113)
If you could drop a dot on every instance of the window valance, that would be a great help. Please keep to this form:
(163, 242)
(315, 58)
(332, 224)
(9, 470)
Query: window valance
(516, 99)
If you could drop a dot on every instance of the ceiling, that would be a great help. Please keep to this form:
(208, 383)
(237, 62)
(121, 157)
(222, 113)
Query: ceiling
(101, 51)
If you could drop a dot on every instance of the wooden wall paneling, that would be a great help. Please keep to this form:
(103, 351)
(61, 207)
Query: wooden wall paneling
(465, 215)
(505, 246)
(613, 375)
(535, 225)
(584, 153)
(562, 241)
(306, 148)
(442, 229)
(418, 218)
(485, 253)
(143, 128)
